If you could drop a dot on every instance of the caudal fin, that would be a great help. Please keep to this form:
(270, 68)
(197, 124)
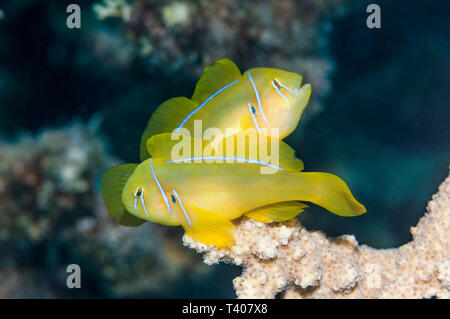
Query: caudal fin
(329, 191)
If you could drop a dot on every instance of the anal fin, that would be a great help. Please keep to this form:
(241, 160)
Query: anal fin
(278, 212)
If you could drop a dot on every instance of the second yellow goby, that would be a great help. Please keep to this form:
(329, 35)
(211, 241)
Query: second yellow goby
(261, 98)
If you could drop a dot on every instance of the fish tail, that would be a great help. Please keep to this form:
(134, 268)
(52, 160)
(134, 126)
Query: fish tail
(328, 191)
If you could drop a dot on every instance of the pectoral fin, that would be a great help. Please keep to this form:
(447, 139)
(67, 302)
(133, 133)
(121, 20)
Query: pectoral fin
(246, 122)
(167, 117)
(214, 77)
(208, 227)
(113, 181)
(278, 212)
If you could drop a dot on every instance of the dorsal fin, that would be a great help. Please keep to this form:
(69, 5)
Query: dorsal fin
(167, 117)
(161, 146)
(113, 181)
(253, 150)
(170, 114)
(214, 77)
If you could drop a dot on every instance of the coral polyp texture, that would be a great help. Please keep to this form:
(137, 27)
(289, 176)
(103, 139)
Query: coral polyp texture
(286, 258)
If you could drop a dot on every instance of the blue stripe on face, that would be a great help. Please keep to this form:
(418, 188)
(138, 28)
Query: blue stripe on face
(182, 207)
(203, 104)
(143, 204)
(281, 94)
(258, 99)
(163, 194)
(252, 111)
(286, 87)
(140, 193)
(135, 198)
(237, 159)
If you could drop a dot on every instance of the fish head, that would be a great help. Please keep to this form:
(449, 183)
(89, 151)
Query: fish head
(142, 198)
(136, 195)
(282, 98)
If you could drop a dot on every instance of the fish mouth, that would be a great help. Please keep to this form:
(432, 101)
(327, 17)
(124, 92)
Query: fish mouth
(299, 88)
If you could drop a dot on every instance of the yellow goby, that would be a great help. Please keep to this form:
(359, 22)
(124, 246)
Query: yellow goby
(261, 98)
(205, 198)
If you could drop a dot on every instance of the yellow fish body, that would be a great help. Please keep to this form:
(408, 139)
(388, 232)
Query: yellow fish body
(261, 98)
(205, 198)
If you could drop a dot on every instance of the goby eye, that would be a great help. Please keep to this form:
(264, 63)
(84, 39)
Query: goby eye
(276, 83)
(139, 193)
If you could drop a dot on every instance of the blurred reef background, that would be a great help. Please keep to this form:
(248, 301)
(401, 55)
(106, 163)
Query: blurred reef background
(73, 102)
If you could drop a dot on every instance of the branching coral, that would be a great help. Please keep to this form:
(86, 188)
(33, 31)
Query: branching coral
(285, 257)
